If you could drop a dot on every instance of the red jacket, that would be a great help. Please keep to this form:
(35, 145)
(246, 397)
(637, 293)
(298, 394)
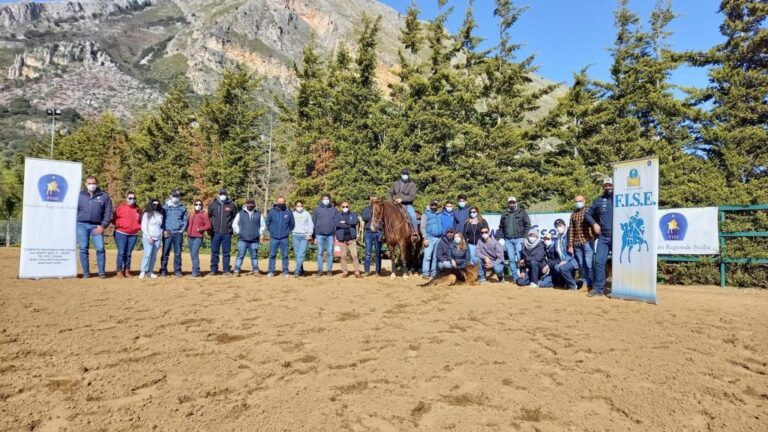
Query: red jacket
(127, 219)
(199, 223)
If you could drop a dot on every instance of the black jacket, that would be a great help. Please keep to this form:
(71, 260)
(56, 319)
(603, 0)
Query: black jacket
(366, 215)
(537, 254)
(222, 214)
(472, 232)
(515, 224)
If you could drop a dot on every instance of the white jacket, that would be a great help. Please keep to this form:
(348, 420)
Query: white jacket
(304, 225)
(151, 227)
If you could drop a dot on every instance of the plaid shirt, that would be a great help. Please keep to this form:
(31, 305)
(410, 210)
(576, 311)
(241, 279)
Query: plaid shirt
(579, 232)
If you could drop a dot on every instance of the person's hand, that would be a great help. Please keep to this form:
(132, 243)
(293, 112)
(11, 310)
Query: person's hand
(399, 200)
(309, 238)
(596, 229)
(545, 270)
(522, 262)
(487, 262)
(426, 242)
(453, 263)
(151, 242)
(562, 262)
(98, 230)
(570, 250)
(166, 233)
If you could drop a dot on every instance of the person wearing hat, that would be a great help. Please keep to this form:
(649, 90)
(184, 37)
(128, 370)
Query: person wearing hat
(431, 232)
(564, 264)
(249, 226)
(514, 227)
(580, 244)
(452, 251)
(600, 217)
(403, 191)
(533, 262)
(175, 219)
(222, 212)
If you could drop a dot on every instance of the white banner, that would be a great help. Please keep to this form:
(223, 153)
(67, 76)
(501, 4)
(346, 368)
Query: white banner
(635, 212)
(688, 231)
(49, 219)
(543, 222)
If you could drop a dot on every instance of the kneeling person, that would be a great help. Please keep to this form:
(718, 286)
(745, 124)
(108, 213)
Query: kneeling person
(452, 251)
(490, 254)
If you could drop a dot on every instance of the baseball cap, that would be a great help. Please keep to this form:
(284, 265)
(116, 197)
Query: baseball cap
(250, 201)
(511, 199)
(607, 180)
(434, 201)
(175, 193)
(223, 191)
(547, 235)
(405, 171)
(559, 222)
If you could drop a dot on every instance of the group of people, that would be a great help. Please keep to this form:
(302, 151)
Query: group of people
(453, 236)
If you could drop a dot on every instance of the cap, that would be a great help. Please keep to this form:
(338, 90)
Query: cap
(559, 222)
(450, 230)
(405, 171)
(547, 235)
(607, 180)
(434, 201)
(511, 199)
(175, 193)
(222, 191)
(250, 201)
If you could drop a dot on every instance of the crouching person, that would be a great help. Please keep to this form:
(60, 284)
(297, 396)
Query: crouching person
(490, 253)
(533, 262)
(452, 251)
(564, 264)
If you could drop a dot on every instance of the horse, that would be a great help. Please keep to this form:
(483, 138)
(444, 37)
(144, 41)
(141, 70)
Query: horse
(398, 234)
(632, 234)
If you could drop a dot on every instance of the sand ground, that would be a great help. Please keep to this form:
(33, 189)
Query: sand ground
(334, 354)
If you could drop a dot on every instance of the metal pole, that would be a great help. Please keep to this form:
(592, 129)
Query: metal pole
(53, 132)
(269, 166)
(722, 250)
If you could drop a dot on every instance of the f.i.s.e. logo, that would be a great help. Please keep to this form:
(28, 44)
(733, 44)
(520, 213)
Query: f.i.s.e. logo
(52, 188)
(633, 179)
(673, 226)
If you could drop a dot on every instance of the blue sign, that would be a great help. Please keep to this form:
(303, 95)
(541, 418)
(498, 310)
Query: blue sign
(633, 234)
(52, 188)
(673, 226)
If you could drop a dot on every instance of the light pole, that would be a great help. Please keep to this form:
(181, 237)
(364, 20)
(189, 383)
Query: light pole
(53, 112)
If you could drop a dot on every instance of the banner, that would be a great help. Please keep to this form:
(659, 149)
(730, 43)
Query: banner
(543, 222)
(635, 212)
(49, 218)
(688, 231)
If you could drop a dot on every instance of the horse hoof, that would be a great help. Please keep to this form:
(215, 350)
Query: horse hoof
(393, 276)
(405, 277)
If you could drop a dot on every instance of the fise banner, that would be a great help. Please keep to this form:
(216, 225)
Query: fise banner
(48, 235)
(635, 216)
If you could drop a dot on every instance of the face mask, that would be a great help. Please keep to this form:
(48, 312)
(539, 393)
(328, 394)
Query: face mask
(326, 202)
(281, 206)
(345, 210)
(547, 243)
(222, 198)
(449, 209)
(299, 209)
(434, 209)
(155, 206)
(91, 187)
(457, 240)
(405, 177)
(608, 192)
(250, 207)
(462, 204)
(473, 214)
(579, 204)
(175, 200)
(131, 201)
(512, 207)
(561, 229)
(531, 239)
(486, 236)
(198, 207)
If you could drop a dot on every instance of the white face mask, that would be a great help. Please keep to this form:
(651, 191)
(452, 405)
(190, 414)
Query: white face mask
(486, 236)
(198, 207)
(131, 201)
(579, 204)
(222, 198)
(531, 239)
(91, 187)
(326, 202)
(299, 209)
(547, 243)
(462, 204)
(449, 209)
(175, 200)
(456, 239)
(405, 177)
(473, 214)
(345, 210)
(561, 229)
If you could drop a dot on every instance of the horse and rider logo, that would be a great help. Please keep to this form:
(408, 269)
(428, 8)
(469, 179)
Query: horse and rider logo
(673, 226)
(52, 188)
(633, 234)
(633, 180)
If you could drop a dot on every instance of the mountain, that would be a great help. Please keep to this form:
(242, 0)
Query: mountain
(120, 55)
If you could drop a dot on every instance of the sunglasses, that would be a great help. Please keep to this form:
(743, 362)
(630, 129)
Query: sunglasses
(132, 197)
(344, 207)
(483, 232)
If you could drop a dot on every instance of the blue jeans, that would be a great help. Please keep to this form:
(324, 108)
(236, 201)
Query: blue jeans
(514, 248)
(602, 249)
(251, 247)
(194, 253)
(174, 241)
(497, 268)
(84, 235)
(221, 242)
(324, 244)
(584, 256)
(566, 272)
(429, 263)
(300, 243)
(473, 254)
(150, 254)
(125, 244)
(412, 214)
(274, 245)
(372, 246)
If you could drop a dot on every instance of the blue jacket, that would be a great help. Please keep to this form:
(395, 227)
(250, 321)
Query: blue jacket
(430, 224)
(561, 245)
(553, 258)
(280, 223)
(346, 226)
(175, 217)
(461, 215)
(448, 250)
(324, 218)
(447, 220)
(601, 212)
(96, 209)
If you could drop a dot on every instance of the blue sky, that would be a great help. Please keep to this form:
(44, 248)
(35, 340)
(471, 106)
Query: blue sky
(566, 35)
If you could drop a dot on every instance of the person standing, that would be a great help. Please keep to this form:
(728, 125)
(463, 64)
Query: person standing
(490, 254)
(94, 214)
(403, 191)
(249, 226)
(514, 226)
(431, 232)
(175, 221)
(302, 234)
(472, 229)
(346, 234)
(222, 213)
(580, 240)
(372, 238)
(152, 232)
(127, 226)
(448, 218)
(280, 223)
(199, 223)
(600, 217)
(324, 220)
(462, 212)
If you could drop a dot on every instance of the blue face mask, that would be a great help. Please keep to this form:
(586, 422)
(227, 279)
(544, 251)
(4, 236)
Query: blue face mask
(579, 204)
(473, 214)
(462, 204)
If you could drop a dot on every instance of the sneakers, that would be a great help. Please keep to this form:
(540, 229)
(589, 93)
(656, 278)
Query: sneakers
(481, 281)
(286, 274)
(533, 285)
(102, 276)
(236, 273)
(142, 275)
(178, 274)
(594, 293)
(270, 274)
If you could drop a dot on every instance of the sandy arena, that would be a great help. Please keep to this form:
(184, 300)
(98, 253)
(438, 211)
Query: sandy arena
(334, 354)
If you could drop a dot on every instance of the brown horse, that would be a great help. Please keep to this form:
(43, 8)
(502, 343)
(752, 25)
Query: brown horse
(398, 234)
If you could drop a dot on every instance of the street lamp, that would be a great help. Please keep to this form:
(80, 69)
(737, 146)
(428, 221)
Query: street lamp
(53, 113)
